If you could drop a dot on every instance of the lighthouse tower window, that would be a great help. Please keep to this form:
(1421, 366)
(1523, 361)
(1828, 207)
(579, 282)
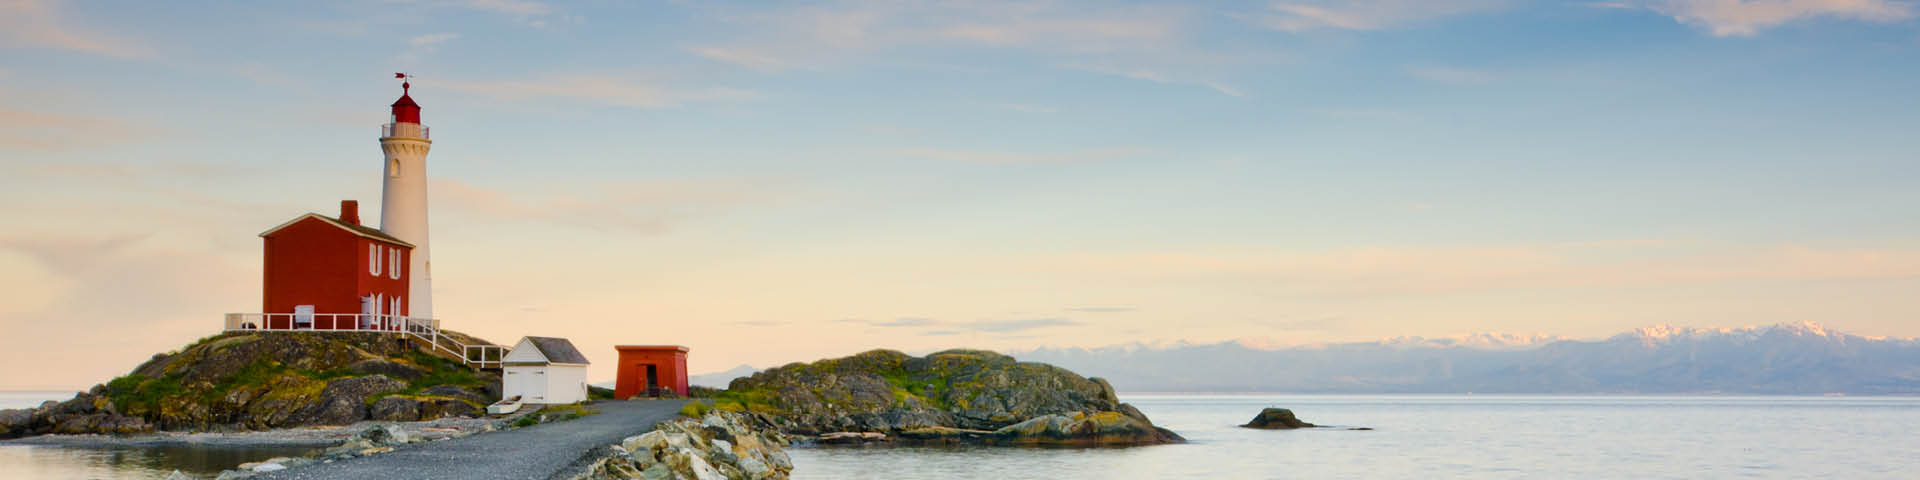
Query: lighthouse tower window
(393, 167)
(373, 259)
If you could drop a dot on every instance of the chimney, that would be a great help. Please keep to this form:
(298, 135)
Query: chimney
(350, 211)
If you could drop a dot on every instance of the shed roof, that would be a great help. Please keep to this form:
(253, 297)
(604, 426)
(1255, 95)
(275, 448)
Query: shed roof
(558, 350)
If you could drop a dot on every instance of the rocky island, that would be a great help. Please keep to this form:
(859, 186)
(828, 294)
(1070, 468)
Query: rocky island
(948, 397)
(260, 381)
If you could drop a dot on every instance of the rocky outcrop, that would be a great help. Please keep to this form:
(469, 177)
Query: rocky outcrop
(1277, 419)
(719, 445)
(86, 412)
(945, 397)
(267, 380)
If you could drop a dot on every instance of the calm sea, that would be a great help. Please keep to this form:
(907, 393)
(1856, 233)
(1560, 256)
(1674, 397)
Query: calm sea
(1414, 437)
(50, 462)
(1456, 437)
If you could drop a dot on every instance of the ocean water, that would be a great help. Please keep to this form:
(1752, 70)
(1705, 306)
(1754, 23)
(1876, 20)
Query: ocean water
(33, 462)
(1454, 437)
(1414, 437)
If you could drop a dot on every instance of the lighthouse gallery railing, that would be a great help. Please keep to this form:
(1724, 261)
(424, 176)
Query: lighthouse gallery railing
(411, 130)
(425, 329)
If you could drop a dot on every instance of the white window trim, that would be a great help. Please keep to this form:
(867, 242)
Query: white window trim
(393, 263)
(373, 259)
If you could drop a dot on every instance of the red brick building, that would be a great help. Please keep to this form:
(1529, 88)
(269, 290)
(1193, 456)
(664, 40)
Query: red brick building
(646, 369)
(333, 274)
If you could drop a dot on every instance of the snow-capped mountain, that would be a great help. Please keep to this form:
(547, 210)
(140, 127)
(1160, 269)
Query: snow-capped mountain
(1797, 358)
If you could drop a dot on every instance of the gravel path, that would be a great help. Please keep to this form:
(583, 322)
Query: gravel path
(536, 452)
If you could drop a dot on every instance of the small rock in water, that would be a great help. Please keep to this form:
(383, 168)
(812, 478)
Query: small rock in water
(269, 467)
(1277, 419)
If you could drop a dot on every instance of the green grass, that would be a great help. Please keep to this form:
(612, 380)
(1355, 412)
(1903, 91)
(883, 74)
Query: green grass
(137, 394)
(695, 409)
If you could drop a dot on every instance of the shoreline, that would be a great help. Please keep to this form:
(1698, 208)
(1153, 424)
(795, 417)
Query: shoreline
(315, 437)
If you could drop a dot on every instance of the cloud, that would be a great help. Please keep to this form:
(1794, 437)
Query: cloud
(1453, 76)
(515, 7)
(941, 333)
(432, 39)
(760, 323)
(1424, 270)
(638, 206)
(1102, 309)
(739, 56)
(1156, 77)
(53, 132)
(905, 322)
(420, 46)
(1744, 18)
(606, 89)
(1011, 326)
(1304, 16)
(1026, 108)
(1002, 158)
(38, 24)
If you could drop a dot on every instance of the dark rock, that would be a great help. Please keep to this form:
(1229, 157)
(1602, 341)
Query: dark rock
(391, 369)
(1361, 429)
(451, 391)
(447, 408)
(1101, 429)
(942, 396)
(344, 400)
(102, 423)
(15, 422)
(395, 409)
(1276, 419)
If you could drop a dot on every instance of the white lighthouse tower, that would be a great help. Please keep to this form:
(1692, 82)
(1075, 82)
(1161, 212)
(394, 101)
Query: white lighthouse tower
(403, 198)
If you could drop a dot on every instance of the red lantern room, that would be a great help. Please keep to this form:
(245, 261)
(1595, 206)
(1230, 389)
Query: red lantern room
(404, 110)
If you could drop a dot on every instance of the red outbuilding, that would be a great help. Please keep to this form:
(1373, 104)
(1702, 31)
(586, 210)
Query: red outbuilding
(649, 369)
(329, 273)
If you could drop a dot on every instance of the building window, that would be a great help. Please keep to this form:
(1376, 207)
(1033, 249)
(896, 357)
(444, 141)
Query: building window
(373, 259)
(393, 263)
(396, 307)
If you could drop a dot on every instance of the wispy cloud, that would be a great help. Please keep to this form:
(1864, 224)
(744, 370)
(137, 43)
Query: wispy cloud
(627, 90)
(1102, 309)
(1303, 16)
(1027, 108)
(1005, 158)
(421, 46)
(1011, 326)
(50, 132)
(39, 24)
(1157, 77)
(1742, 18)
(904, 322)
(744, 57)
(1390, 270)
(639, 206)
(1453, 75)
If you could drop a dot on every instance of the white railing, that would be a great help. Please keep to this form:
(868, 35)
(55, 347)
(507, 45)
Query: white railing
(425, 329)
(409, 130)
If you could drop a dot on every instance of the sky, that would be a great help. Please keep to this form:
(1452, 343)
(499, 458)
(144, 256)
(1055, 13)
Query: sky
(769, 182)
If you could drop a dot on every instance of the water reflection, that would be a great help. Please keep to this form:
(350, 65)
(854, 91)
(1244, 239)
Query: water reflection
(130, 462)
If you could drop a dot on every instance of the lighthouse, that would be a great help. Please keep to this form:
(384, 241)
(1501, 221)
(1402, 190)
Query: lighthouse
(403, 197)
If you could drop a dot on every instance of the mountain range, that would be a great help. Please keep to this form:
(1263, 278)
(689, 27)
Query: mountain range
(1798, 358)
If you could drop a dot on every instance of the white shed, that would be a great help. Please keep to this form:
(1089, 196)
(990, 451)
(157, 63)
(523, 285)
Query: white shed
(544, 370)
